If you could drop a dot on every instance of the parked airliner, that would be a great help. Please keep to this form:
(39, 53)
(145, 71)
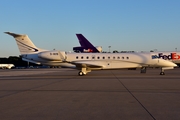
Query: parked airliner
(6, 66)
(86, 62)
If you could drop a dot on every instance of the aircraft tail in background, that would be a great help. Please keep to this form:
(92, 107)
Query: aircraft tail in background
(25, 45)
(86, 46)
(83, 41)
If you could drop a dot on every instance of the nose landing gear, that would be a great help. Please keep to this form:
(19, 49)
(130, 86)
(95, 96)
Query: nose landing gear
(162, 72)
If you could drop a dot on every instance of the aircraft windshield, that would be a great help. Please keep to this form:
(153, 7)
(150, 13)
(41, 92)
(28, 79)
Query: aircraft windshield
(154, 57)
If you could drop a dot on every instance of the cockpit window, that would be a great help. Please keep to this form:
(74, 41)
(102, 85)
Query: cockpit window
(55, 53)
(154, 57)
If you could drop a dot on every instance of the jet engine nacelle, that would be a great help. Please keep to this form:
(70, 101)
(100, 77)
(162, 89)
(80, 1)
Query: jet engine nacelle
(53, 55)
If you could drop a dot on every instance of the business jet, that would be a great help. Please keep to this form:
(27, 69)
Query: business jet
(86, 46)
(86, 62)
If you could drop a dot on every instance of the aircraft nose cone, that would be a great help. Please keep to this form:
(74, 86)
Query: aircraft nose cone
(167, 63)
(171, 64)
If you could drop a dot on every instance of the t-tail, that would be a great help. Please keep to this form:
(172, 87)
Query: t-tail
(25, 45)
(85, 44)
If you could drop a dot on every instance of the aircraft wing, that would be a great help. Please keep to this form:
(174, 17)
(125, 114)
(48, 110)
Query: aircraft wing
(92, 64)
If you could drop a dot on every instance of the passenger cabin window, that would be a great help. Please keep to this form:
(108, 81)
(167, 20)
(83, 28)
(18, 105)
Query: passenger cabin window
(122, 57)
(93, 57)
(118, 57)
(81, 57)
(127, 57)
(114, 57)
(108, 57)
(103, 57)
(98, 57)
(76, 57)
(87, 57)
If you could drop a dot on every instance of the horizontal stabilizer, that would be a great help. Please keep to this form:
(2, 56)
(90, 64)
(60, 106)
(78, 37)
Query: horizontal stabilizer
(25, 45)
(13, 34)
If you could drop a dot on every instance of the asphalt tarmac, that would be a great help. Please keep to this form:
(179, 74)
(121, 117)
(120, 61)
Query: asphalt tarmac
(60, 94)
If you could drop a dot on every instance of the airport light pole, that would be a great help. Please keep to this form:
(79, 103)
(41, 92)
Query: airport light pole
(109, 48)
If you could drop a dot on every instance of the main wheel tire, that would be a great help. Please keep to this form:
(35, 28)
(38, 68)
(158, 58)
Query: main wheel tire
(80, 73)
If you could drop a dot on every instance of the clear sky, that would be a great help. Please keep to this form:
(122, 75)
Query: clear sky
(139, 25)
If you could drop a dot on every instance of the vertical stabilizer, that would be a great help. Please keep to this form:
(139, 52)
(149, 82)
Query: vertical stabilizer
(24, 44)
(85, 43)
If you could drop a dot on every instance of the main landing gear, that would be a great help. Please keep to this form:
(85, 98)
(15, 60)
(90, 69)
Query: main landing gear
(143, 70)
(83, 71)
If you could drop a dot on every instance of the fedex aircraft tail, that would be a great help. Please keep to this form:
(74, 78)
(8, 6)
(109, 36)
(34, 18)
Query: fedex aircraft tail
(25, 45)
(85, 43)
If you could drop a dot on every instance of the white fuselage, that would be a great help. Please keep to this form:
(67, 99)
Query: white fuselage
(116, 60)
(107, 60)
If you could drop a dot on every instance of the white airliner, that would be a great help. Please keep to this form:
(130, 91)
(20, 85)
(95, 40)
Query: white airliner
(86, 62)
(6, 66)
